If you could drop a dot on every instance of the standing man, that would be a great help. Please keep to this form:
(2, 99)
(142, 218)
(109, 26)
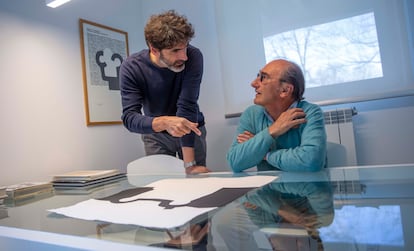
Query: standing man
(281, 131)
(164, 81)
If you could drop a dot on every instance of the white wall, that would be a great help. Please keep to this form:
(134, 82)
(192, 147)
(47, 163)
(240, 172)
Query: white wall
(43, 129)
(383, 130)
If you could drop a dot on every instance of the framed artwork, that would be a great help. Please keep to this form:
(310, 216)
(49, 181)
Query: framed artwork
(103, 49)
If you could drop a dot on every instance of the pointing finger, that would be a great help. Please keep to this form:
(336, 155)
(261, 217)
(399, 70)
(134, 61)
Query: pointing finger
(196, 130)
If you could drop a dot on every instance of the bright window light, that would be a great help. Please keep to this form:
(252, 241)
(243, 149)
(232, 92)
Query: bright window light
(55, 3)
(342, 51)
(377, 226)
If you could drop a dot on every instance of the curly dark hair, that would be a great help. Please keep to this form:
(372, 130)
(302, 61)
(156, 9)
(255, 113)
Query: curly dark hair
(168, 29)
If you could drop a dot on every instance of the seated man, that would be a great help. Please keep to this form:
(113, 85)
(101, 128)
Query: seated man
(281, 131)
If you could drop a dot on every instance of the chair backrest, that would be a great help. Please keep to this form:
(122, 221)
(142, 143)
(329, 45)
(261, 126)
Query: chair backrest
(156, 164)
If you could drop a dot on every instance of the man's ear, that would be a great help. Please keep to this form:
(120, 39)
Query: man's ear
(286, 89)
(153, 50)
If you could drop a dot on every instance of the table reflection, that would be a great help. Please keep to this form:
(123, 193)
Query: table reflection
(283, 215)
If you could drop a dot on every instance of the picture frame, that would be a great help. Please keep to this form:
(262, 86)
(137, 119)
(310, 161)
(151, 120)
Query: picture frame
(103, 50)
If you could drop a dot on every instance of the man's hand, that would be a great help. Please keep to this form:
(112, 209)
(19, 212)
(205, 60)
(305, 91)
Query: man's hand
(245, 136)
(197, 169)
(290, 118)
(298, 217)
(191, 236)
(249, 205)
(176, 126)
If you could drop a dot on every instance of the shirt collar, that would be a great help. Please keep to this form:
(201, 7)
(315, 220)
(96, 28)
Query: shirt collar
(293, 105)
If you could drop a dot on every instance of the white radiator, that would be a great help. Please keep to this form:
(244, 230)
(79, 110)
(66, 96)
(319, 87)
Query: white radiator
(341, 139)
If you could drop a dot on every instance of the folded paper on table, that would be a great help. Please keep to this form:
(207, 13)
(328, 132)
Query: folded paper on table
(165, 204)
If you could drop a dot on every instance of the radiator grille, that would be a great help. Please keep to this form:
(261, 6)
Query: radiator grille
(339, 116)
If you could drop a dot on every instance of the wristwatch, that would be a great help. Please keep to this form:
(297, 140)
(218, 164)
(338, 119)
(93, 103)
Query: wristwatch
(189, 164)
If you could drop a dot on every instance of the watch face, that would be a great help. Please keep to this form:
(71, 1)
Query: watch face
(189, 164)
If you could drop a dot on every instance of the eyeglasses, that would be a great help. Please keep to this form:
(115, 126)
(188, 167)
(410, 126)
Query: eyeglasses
(262, 76)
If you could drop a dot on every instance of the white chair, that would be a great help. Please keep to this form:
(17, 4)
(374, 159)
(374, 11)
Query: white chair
(156, 164)
(160, 164)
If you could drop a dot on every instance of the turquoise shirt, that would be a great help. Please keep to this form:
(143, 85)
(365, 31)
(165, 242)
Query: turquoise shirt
(299, 149)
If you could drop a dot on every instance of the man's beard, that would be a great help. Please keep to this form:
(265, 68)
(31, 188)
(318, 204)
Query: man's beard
(176, 66)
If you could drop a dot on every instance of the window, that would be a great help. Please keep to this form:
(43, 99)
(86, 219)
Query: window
(350, 50)
(336, 52)
(384, 223)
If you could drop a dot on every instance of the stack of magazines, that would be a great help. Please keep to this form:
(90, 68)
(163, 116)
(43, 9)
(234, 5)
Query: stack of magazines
(86, 178)
(26, 192)
(3, 209)
(3, 194)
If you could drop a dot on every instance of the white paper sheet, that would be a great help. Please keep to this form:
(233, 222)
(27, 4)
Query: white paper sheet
(143, 209)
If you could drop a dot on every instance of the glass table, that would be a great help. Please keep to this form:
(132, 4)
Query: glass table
(352, 208)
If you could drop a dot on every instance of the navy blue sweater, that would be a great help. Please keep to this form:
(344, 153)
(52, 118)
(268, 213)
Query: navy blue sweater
(149, 91)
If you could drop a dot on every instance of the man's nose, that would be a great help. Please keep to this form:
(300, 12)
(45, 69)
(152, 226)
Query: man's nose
(182, 55)
(255, 82)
